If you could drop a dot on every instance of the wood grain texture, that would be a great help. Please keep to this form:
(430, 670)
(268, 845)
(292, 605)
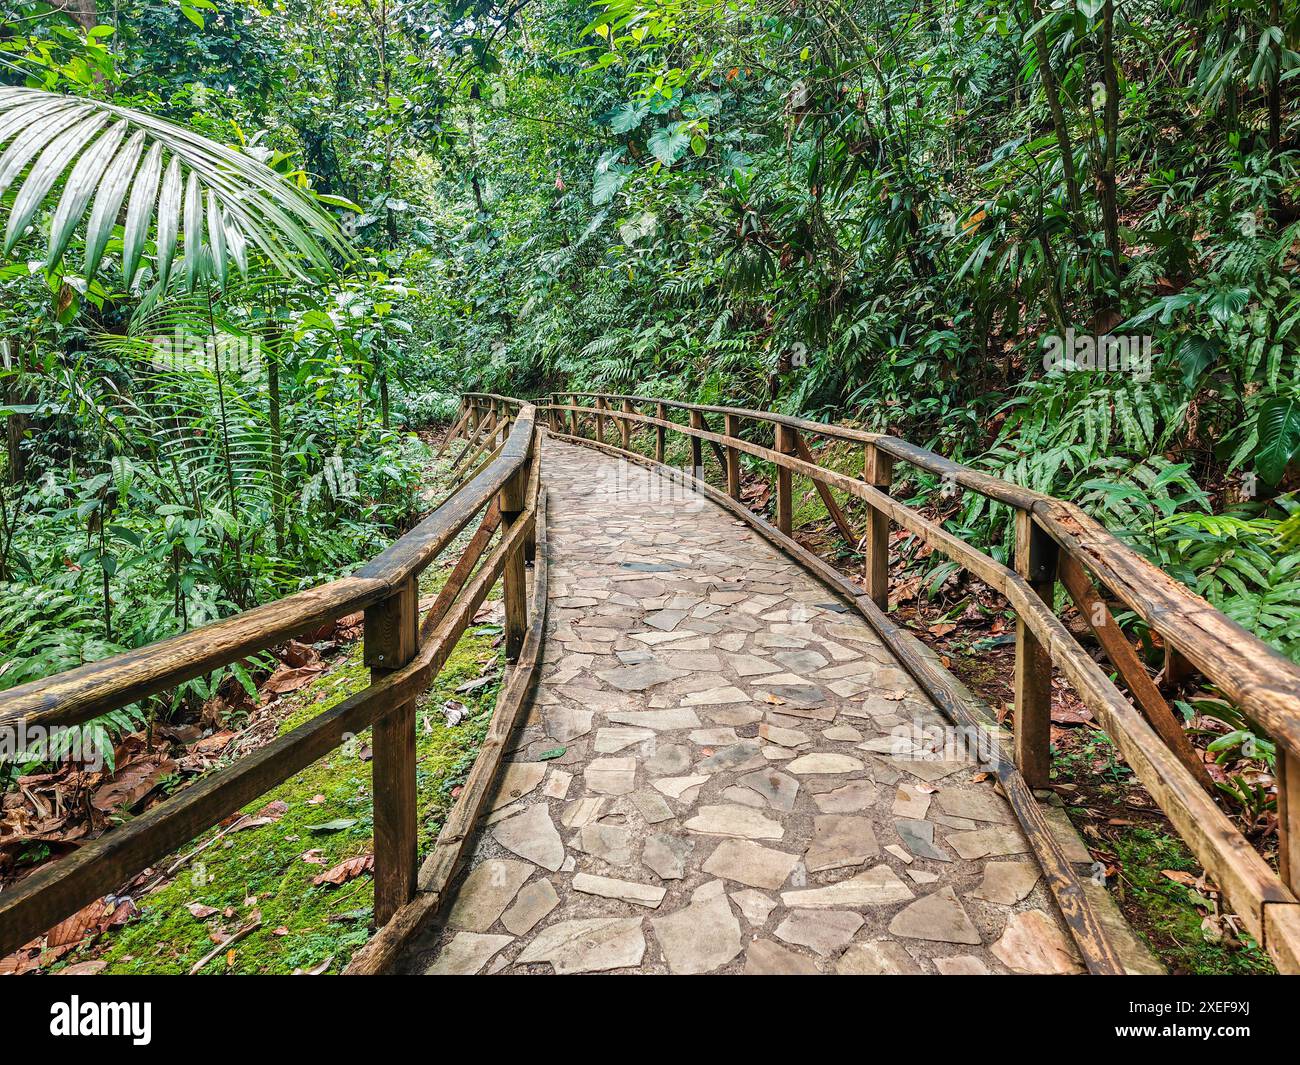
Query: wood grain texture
(1159, 714)
(877, 471)
(1036, 563)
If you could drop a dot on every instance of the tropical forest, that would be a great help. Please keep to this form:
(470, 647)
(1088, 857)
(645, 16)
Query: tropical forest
(295, 291)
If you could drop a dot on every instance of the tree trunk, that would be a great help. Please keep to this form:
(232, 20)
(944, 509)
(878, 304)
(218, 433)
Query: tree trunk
(1052, 90)
(1110, 131)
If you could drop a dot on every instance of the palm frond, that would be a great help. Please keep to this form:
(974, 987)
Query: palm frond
(216, 199)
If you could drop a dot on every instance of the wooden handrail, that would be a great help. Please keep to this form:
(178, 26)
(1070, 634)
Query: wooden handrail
(404, 661)
(1257, 678)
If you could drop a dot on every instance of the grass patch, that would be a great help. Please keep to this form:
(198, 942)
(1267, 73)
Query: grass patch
(330, 817)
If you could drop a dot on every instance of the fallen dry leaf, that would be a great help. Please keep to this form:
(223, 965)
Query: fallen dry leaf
(284, 680)
(131, 783)
(198, 910)
(345, 871)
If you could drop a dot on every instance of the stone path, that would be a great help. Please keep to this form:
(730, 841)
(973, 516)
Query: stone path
(718, 775)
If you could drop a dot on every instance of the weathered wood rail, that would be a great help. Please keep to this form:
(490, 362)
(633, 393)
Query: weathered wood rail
(404, 653)
(1055, 541)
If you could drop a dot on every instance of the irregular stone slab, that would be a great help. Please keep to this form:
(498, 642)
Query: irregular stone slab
(1006, 883)
(754, 905)
(983, 804)
(842, 734)
(588, 945)
(734, 715)
(614, 739)
(611, 776)
(669, 760)
(532, 835)
(466, 954)
(750, 863)
(938, 916)
(640, 677)
(652, 807)
(565, 723)
(517, 780)
(743, 796)
(847, 688)
(677, 787)
(825, 931)
(665, 854)
(805, 661)
(743, 755)
(918, 838)
(765, 958)
(961, 965)
(877, 886)
(928, 770)
(610, 843)
(882, 958)
(695, 661)
(859, 795)
(840, 841)
(717, 696)
(624, 890)
(785, 737)
(714, 737)
(1032, 943)
(779, 789)
(824, 762)
(486, 892)
(557, 784)
(803, 696)
(582, 812)
(739, 822)
(659, 720)
(986, 842)
(700, 938)
(666, 620)
(751, 665)
(911, 802)
(533, 902)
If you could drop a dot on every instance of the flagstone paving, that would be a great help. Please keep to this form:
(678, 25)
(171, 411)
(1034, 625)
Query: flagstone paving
(721, 772)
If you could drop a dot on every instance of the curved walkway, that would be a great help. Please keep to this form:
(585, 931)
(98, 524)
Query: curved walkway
(720, 773)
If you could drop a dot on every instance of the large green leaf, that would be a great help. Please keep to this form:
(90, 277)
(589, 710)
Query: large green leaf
(668, 144)
(1279, 437)
(88, 151)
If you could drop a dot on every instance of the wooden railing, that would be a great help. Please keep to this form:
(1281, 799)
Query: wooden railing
(403, 651)
(1055, 541)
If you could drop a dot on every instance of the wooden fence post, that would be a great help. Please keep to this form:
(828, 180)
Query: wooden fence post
(391, 641)
(513, 499)
(1288, 817)
(731, 426)
(786, 443)
(877, 471)
(661, 412)
(1036, 561)
(600, 419)
(697, 446)
(623, 425)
